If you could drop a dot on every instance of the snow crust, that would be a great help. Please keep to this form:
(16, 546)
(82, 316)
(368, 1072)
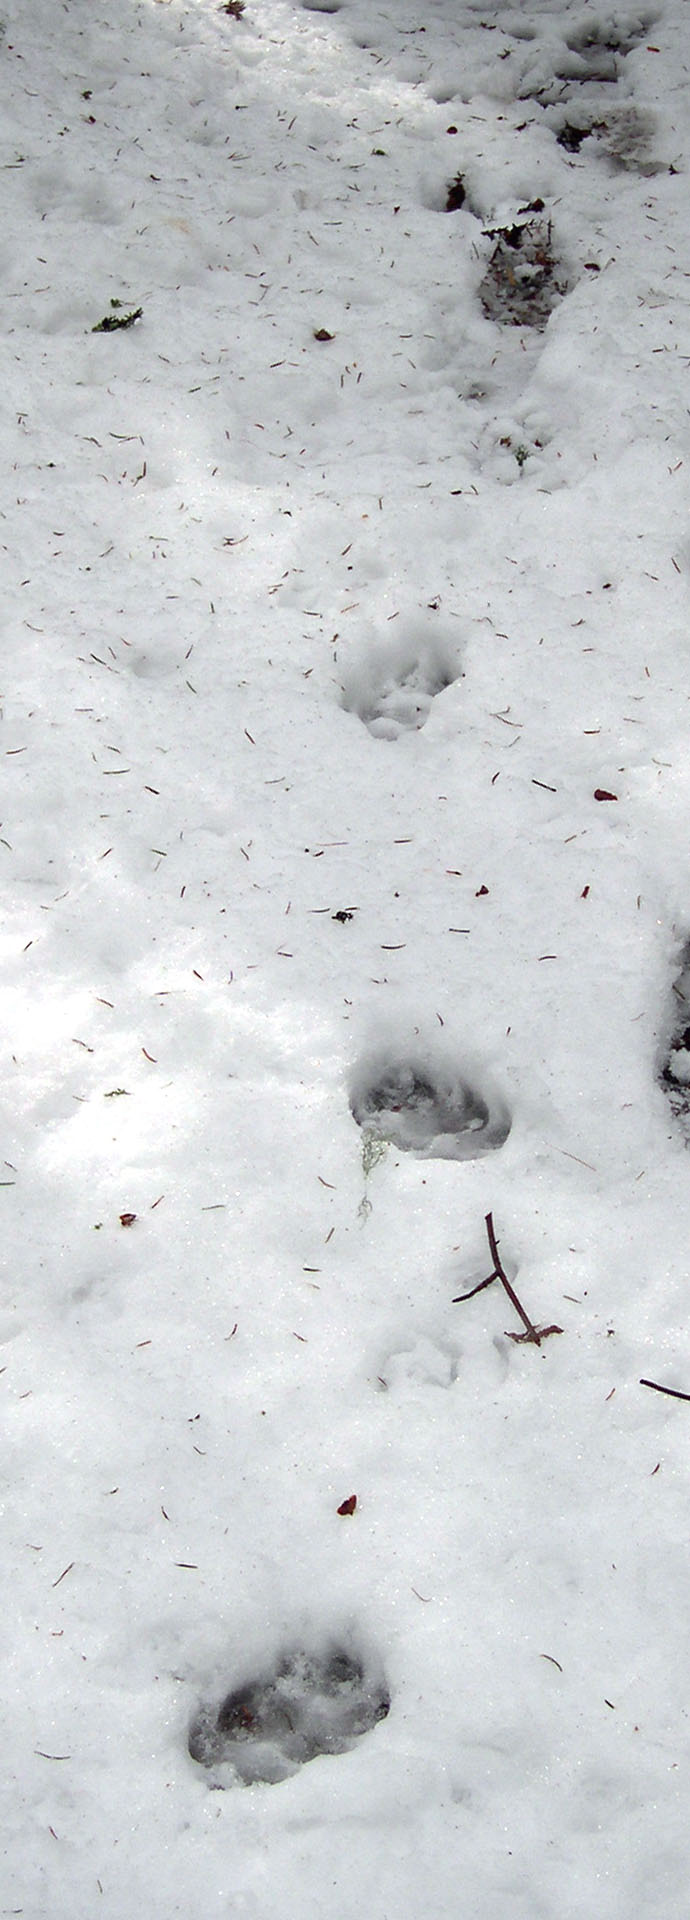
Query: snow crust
(345, 714)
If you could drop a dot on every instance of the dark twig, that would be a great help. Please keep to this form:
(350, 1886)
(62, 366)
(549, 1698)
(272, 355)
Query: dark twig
(478, 1289)
(532, 1333)
(673, 1392)
(503, 1277)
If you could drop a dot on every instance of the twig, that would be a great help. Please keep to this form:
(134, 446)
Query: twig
(542, 1332)
(673, 1392)
(532, 1333)
(478, 1289)
(61, 1576)
(503, 1277)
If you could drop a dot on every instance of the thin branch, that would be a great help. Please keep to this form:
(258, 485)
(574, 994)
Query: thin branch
(673, 1392)
(478, 1289)
(499, 1274)
(535, 1334)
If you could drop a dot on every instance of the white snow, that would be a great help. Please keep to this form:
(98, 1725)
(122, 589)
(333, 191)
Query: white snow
(316, 655)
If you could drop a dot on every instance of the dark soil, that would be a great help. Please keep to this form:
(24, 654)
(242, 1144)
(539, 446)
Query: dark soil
(456, 195)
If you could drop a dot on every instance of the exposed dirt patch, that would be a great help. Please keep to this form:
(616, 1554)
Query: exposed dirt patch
(456, 195)
(571, 137)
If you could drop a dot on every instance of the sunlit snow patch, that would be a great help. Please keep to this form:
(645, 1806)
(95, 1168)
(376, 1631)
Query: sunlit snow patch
(307, 1704)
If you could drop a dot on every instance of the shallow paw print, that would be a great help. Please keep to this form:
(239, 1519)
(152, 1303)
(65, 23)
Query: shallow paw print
(153, 666)
(307, 1704)
(391, 688)
(519, 450)
(590, 57)
(625, 138)
(433, 1115)
(601, 45)
(421, 1364)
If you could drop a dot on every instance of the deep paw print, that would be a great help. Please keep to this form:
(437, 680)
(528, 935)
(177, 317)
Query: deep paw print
(403, 705)
(524, 280)
(675, 1068)
(307, 1704)
(433, 1116)
(392, 687)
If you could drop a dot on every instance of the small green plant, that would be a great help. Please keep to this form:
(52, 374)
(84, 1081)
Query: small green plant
(521, 453)
(373, 1150)
(112, 321)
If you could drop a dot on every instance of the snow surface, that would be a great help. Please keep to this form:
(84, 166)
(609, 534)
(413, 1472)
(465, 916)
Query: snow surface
(317, 653)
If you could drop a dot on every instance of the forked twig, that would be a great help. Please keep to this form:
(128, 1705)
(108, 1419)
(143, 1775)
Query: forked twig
(503, 1277)
(535, 1334)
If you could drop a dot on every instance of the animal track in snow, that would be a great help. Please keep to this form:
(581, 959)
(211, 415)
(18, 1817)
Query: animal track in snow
(391, 687)
(306, 1704)
(675, 1069)
(524, 280)
(598, 42)
(423, 1363)
(590, 56)
(434, 1114)
(624, 136)
(153, 666)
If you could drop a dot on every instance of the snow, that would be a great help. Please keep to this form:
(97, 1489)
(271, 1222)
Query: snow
(317, 654)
